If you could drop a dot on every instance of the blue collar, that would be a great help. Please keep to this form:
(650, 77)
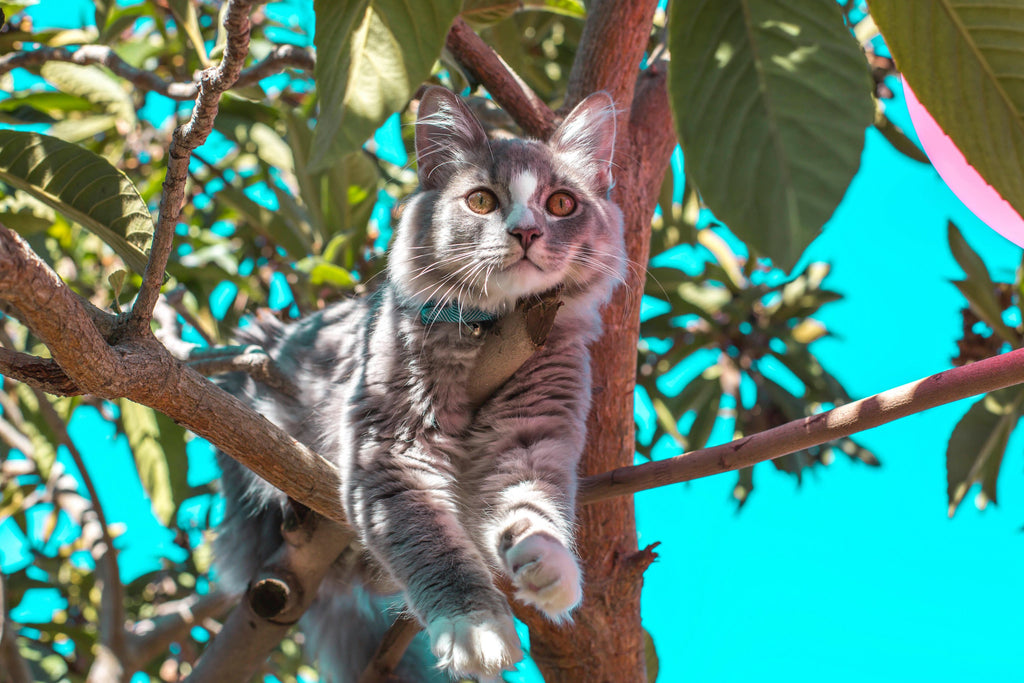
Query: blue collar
(431, 312)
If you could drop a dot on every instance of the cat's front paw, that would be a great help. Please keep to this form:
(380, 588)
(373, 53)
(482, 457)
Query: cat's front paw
(545, 574)
(479, 644)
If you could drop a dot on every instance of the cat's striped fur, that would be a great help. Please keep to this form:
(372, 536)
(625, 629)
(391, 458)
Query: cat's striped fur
(441, 495)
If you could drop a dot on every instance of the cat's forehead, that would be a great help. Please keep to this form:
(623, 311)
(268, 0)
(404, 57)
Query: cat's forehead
(514, 160)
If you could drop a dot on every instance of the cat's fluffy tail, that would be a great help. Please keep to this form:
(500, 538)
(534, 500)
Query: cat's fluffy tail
(343, 630)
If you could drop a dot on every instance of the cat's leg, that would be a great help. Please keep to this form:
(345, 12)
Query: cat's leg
(405, 510)
(529, 526)
(532, 434)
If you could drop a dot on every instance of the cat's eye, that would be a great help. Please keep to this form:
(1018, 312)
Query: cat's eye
(481, 201)
(561, 204)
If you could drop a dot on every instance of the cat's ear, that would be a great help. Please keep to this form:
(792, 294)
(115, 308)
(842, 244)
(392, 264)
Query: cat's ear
(588, 135)
(447, 133)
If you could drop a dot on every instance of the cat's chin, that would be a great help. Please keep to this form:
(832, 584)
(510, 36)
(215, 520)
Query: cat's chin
(525, 278)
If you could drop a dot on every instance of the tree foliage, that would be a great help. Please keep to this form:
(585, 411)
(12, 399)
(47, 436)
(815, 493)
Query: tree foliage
(289, 205)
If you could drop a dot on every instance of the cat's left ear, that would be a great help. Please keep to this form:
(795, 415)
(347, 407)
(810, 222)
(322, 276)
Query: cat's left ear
(588, 134)
(447, 134)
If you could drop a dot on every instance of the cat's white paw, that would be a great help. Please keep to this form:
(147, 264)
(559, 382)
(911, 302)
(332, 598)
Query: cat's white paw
(479, 644)
(545, 574)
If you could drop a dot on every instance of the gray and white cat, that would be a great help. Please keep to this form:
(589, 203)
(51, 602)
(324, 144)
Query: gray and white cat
(441, 494)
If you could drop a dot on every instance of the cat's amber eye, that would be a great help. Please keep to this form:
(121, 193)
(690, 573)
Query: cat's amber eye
(561, 204)
(481, 201)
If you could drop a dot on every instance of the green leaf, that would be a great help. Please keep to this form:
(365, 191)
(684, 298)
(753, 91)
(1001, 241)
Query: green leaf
(263, 221)
(81, 185)
(94, 85)
(978, 288)
(371, 56)
(704, 421)
(650, 657)
(965, 62)
(976, 448)
(158, 446)
(771, 100)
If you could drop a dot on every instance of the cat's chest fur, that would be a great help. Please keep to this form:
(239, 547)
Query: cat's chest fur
(414, 383)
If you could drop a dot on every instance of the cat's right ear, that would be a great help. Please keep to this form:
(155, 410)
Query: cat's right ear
(447, 133)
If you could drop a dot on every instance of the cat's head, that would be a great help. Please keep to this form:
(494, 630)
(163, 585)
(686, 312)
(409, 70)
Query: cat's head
(497, 220)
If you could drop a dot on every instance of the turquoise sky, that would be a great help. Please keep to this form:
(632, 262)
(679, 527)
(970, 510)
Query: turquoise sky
(857, 574)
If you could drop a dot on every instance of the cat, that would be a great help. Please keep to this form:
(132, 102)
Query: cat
(442, 494)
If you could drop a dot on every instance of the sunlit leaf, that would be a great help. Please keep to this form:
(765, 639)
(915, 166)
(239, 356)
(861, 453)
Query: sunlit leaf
(371, 56)
(771, 101)
(81, 185)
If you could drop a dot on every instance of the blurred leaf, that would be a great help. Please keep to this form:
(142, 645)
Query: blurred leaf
(185, 15)
(158, 446)
(352, 192)
(982, 107)
(540, 47)
(744, 485)
(94, 85)
(809, 330)
(779, 91)
(704, 422)
(976, 448)
(896, 137)
(263, 221)
(83, 186)
(483, 13)
(371, 55)
(321, 272)
(650, 657)
(24, 214)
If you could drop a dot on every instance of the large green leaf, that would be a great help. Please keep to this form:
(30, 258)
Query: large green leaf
(976, 448)
(371, 55)
(771, 100)
(81, 185)
(965, 62)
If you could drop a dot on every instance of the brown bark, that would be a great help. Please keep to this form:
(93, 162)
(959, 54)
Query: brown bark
(605, 642)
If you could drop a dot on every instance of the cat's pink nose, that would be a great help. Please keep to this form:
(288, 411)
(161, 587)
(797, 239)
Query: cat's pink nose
(525, 234)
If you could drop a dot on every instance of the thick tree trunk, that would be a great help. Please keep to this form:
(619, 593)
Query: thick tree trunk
(605, 643)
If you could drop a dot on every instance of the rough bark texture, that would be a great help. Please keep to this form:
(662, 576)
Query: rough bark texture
(605, 642)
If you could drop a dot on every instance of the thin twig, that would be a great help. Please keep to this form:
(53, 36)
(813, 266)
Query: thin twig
(281, 58)
(392, 647)
(212, 83)
(112, 614)
(485, 66)
(252, 360)
(951, 385)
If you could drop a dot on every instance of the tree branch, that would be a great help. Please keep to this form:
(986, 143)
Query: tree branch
(485, 66)
(212, 83)
(38, 373)
(976, 378)
(281, 58)
(147, 638)
(142, 370)
(254, 628)
(627, 27)
(392, 647)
